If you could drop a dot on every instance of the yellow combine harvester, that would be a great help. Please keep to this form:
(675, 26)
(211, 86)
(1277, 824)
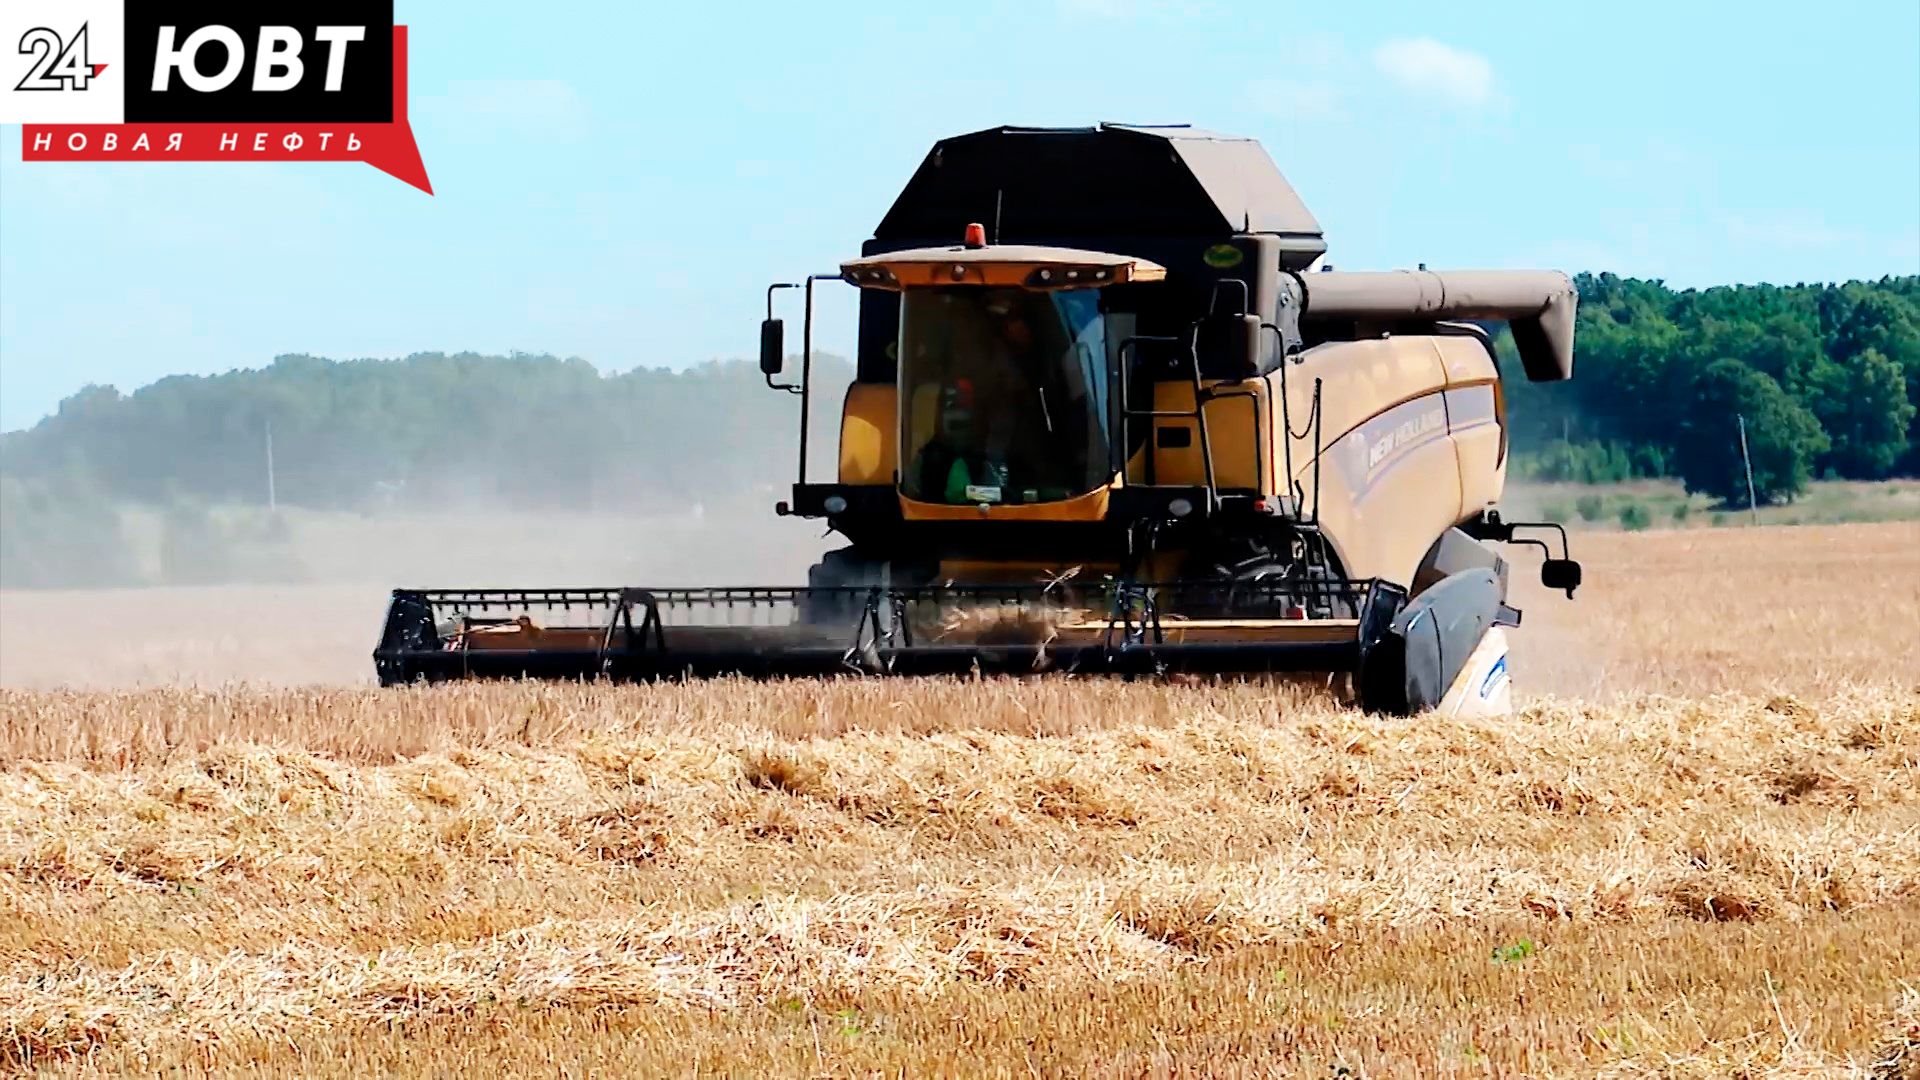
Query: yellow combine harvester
(1127, 430)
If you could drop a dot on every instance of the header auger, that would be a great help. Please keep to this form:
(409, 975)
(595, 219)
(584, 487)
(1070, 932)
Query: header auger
(1105, 419)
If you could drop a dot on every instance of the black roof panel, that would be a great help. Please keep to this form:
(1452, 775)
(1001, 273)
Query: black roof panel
(1058, 184)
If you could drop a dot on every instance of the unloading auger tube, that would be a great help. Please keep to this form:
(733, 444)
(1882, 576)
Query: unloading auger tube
(1127, 430)
(1537, 305)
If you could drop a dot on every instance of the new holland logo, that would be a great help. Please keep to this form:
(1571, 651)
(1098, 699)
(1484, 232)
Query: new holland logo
(1494, 675)
(1404, 434)
(217, 80)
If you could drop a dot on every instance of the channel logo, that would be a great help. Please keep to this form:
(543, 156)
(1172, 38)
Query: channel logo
(134, 80)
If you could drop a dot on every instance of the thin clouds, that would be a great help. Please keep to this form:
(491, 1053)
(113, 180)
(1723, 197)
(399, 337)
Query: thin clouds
(1437, 71)
(1329, 80)
(1316, 91)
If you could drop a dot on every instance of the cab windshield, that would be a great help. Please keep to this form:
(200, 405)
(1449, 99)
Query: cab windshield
(1004, 393)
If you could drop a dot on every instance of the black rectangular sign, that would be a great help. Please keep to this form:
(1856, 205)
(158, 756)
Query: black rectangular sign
(250, 62)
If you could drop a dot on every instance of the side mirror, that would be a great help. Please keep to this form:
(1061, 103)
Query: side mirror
(773, 351)
(1560, 574)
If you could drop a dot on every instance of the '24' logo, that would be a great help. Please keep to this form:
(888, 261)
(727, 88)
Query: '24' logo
(56, 65)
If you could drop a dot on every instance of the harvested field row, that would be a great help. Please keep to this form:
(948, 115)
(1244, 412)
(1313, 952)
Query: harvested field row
(663, 848)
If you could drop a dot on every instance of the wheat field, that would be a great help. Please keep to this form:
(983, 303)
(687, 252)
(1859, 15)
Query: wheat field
(1695, 851)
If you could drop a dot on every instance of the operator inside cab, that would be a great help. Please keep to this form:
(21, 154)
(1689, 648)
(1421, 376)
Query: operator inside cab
(1007, 393)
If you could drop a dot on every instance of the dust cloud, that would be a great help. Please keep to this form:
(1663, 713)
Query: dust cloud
(315, 617)
(1686, 612)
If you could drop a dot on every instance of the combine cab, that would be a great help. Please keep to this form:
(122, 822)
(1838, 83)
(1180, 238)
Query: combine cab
(1124, 430)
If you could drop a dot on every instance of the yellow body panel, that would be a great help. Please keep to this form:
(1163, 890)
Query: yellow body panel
(1466, 361)
(1476, 421)
(869, 434)
(1238, 432)
(1398, 469)
(1360, 379)
(1479, 442)
(1412, 431)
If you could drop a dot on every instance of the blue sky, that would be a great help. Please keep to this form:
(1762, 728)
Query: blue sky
(619, 183)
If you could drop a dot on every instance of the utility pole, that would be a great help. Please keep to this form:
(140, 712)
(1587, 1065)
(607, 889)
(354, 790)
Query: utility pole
(272, 502)
(1753, 505)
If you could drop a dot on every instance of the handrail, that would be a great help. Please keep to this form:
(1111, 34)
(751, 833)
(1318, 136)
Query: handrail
(1318, 427)
(1198, 414)
(1127, 412)
(1286, 421)
(1200, 397)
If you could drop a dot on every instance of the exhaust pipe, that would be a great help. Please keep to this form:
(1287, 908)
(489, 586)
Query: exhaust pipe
(1538, 305)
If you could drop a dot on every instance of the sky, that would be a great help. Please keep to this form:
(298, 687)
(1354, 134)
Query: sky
(619, 181)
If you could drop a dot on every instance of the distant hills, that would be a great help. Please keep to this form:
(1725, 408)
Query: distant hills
(425, 431)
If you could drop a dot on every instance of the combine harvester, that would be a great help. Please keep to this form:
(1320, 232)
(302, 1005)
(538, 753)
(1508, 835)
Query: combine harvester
(1107, 420)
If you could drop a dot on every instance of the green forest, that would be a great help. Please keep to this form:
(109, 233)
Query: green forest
(1826, 378)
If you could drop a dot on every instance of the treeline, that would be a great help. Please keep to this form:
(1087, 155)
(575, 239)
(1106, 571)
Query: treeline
(431, 430)
(1826, 378)
(188, 456)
